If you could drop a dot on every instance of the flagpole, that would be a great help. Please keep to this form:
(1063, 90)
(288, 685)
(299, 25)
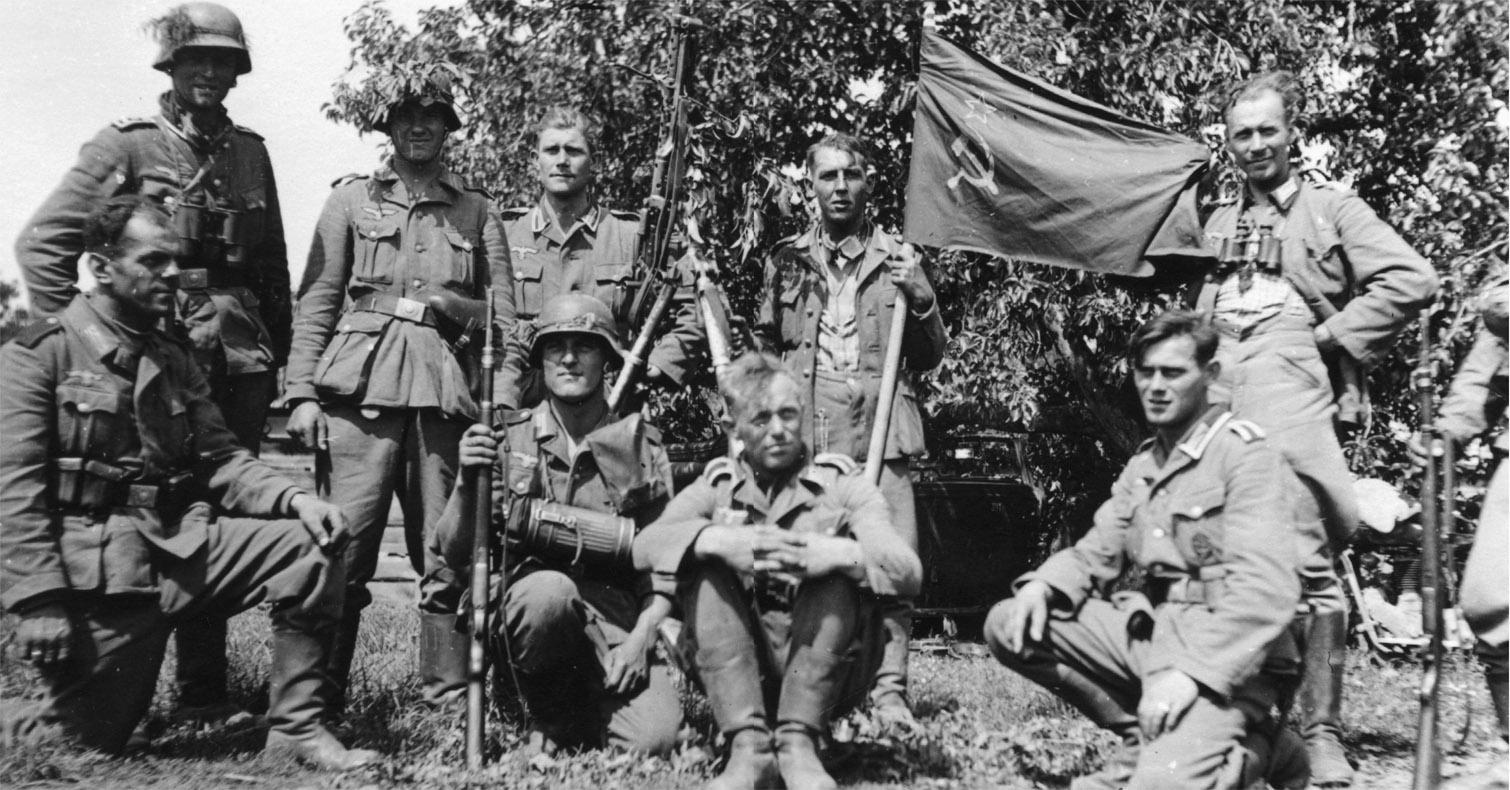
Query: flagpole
(882, 427)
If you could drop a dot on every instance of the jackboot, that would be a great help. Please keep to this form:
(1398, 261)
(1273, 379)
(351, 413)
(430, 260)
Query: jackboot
(341, 649)
(809, 690)
(1277, 758)
(1321, 699)
(443, 656)
(1495, 776)
(730, 676)
(202, 665)
(296, 702)
(888, 695)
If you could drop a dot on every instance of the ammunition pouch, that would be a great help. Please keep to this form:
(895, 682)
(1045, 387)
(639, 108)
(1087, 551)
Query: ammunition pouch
(88, 485)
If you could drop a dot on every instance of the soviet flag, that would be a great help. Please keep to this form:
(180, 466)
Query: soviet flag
(1008, 165)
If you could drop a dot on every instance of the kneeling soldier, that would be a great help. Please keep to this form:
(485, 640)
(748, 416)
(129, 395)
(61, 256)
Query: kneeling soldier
(576, 620)
(116, 460)
(1204, 509)
(778, 559)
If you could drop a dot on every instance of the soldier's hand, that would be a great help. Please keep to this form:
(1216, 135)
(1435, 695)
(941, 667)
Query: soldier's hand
(324, 522)
(479, 446)
(796, 556)
(627, 665)
(1166, 697)
(1419, 448)
(307, 425)
(45, 635)
(1027, 614)
(905, 276)
(734, 546)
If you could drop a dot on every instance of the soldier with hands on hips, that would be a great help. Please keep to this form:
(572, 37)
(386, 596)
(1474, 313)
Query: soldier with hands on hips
(570, 243)
(780, 559)
(1312, 287)
(829, 299)
(380, 378)
(1185, 675)
(578, 625)
(116, 466)
(216, 181)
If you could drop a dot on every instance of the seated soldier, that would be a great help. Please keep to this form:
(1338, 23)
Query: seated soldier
(778, 559)
(579, 628)
(115, 463)
(1205, 510)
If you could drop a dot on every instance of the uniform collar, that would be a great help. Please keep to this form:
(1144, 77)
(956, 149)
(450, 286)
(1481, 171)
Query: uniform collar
(108, 341)
(792, 492)
(544, 217)
(878, 245)
(394, 187)
(1196, 439)
(1282, 198)
(549, 435)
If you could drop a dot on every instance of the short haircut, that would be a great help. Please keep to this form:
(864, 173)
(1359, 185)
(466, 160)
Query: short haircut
(1172, 324)
(840, 141)
(106, 224)
(569, 118)
(748, 376)
(1280, 82)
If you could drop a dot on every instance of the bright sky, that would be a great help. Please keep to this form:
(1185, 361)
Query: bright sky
(70, 67)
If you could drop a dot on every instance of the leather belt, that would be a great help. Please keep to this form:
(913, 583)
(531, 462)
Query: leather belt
(1183, 590)
(91, 485)
(397, 306)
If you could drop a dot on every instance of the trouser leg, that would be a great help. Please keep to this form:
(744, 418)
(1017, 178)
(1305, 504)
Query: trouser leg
(645, 721)
(890, 688)
(200, 643)
(544, 615)
(727, 660)
(99, 694)
(430, 460)
(365, 464)
(1485, 597)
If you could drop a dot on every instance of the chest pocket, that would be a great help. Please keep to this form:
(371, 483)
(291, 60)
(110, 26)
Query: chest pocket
(612, 281)
(377, 250)
(1196, 525)
(91, 422)
(463, 261)
(1324, 249)
(529, 291)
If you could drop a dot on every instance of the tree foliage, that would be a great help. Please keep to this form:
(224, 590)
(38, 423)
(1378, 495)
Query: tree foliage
(1406, 104)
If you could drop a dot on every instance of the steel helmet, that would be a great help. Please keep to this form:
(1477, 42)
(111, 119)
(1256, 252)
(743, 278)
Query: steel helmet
(436, 89)
(199, 25)
(576, 314)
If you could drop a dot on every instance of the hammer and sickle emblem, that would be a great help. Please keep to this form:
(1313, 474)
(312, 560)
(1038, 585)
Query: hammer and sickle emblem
(983, 176)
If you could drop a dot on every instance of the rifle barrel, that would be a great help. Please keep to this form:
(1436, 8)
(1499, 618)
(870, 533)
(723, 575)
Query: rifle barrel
(1428, 765)
(482, 516)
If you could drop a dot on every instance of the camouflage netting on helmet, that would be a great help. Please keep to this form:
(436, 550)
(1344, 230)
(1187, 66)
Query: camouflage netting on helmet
(404, 66)
(205, 25)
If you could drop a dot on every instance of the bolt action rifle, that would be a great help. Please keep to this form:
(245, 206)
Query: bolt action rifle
(658, 221)
(1434, 511)
(482, 519)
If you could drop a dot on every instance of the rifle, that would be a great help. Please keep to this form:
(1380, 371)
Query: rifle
(658, 221)
(1439, 455)
(482, 518)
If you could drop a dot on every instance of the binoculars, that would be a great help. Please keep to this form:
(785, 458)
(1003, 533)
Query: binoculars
(206, 230)
(1257, 246)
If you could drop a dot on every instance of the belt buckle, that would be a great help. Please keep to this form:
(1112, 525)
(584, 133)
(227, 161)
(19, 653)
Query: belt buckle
(193, 279)
(141, 496)
(410, 310)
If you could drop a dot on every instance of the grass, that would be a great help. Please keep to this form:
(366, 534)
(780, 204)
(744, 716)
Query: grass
(979, 726)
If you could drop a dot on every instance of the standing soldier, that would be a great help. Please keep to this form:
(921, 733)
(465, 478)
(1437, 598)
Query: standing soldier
(580, 630)
(216, 181)
(1331, 284)
(116, 459)
(779, 559)
(829, 298)
(568, 242)
(1205, 508)
(372, 378)
(1475, 405)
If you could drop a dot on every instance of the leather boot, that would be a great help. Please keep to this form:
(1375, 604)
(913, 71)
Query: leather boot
(1321, 699)
(562, 711)
(296, 702)
(443, 656)
(888, 697)
(342, 649)
(730, 676)
(809, 690)
(1289, 765)
(202, 666)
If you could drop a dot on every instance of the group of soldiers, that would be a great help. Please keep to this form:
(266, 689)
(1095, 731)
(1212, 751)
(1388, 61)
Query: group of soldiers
(133, 504)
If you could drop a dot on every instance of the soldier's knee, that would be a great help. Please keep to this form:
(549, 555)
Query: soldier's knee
(657, 737)
(995, 632)
(543, 597)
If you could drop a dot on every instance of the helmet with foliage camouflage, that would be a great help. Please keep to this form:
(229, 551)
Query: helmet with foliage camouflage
(425, 86)
(199, 26)
(576, 314)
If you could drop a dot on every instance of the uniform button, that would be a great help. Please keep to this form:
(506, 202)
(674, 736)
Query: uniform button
(1158, 533)
(418, 283)
(419, 248)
